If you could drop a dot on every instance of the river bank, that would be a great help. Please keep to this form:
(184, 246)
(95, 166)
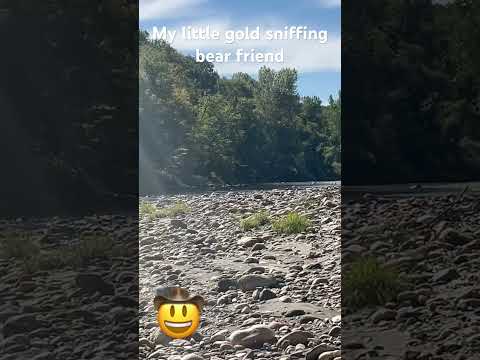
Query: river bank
(426, 240)
(69, 287)
(281, 289)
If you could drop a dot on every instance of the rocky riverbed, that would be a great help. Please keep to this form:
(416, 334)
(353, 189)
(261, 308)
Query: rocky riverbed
(431, 241)
(69, 288)
(269, 295)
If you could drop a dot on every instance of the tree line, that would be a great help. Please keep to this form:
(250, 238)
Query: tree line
(412, 73)
(69, 107)
(198, 128)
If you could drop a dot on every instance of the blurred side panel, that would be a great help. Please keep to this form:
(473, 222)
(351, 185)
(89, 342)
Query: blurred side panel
(410, 166)
(69, 179)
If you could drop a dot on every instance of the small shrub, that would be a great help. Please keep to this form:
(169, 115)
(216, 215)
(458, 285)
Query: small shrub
(150, 211)
(25, 249)
(254, 221)
(147, 209)
(92, 246)
(46, 260)
(367, 283)
(292, 223)
(176, 209)
(19, 246)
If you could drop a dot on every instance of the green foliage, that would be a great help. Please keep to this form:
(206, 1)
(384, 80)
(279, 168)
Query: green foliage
(292, 223)
(93, 246)
(414, 91)
(368, 283)
(150, 211)
(147, 209)
(24, 248)
(96, 159)
(177, 208)
(88, 249)
(19, 246)
(197, 128)
(254, 221)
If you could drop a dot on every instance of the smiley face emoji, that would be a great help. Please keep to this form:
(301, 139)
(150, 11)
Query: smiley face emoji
(178, 320)
(178, 313)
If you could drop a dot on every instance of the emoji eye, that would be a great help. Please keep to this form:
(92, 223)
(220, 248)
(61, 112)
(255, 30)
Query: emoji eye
(172, 310)
(184, 310)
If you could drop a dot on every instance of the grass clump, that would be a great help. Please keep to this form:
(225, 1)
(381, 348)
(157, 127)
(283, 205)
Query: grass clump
(368, 283)
(25, 249)
(19, 246)
(150, 211)
(177, 208)
(92, 246)
(254, 221)
(292, 223)
(147, 209)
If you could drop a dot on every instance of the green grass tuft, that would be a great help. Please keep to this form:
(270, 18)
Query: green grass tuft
(254, 221)
(26, 250)
(19, 246)
(91, 247)
(292, 223)
(150, 211)
(147, 209)
(177, 208)
(368, 283)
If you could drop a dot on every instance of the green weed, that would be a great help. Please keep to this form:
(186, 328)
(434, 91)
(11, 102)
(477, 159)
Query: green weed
(177, 208)
(26, 250)
(147, 209)
(292, 223)
(19, 246)
(254, 221)
(368, 283)
(150, 211)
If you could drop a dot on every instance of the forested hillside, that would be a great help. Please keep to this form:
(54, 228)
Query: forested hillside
(197, 128)
(413, 91)
(68, 109)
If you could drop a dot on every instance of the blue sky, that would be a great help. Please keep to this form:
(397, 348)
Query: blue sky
(318, 64)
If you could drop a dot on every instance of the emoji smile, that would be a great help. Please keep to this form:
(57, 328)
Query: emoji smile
(178, 326)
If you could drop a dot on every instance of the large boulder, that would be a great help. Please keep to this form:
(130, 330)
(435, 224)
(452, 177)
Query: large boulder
(253, 337)
(318, 350)
(225, 284)
(295, 338)
(252, 281)
(330, 355)
(248, 241)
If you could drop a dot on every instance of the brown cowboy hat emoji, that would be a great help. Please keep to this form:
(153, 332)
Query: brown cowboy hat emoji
(176, 295)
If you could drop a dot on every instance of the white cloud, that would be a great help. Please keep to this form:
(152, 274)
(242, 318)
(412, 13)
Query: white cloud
(329, 3)
(163, 9)
(304, 55)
